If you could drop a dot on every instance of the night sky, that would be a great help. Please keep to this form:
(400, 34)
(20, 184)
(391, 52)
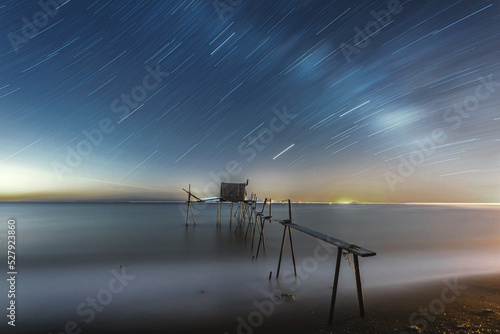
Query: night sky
(310, 100)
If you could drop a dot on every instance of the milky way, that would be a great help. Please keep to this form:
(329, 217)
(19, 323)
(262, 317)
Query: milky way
(381, 101)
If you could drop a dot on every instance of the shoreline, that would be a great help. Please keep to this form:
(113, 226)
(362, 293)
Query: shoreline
(471, 304)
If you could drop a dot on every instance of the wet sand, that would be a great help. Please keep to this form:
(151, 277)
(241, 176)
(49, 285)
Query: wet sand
(467, 305)
(390, 310)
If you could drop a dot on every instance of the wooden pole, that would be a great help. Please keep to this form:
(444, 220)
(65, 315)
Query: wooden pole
(358, 286)
(231, 216)
(254, 228)
(220, 213)
(261, 237)
(217, 222)
(289, 212)
(293, 252)
(281, 252)
(192, 213)
(335, 284)
(188, 205)
(248, 226)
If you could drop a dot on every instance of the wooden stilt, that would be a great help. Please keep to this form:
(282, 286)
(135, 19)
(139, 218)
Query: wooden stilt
(231, 216)
(335, 284)
(189, 207)
(239, 225)
(220, 214)
(358, 286)
(293, 252)
(217, 222)
(262, 233)
(281, 252)
(254, 228)
(260, 238)
(192, 213)
(248, 227)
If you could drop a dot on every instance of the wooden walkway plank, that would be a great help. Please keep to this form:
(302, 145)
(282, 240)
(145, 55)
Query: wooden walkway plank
(351, 248)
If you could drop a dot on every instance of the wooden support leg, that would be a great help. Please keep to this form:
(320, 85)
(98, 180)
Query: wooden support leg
(189, 205)
(192, 213)
(239, 225)
(293, 252)
(263, 236)
(335, 285)
(359, 287)
(243, 213)
(281, 252)
(260, 238)
(254, 228)
(238, 214)
(220, 214)
(217, 222)
(231, 216)
(248, 227)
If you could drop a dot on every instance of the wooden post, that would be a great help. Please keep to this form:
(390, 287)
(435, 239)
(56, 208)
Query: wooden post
(293, 252)
(189, 207)
(248, 226)
(281, 252)
(261, 236)
(289, 212)
(217, 222)
(254, 228)
(220, 213)
(358, 286)
(335, 284)
(231, 216)
(192, 213)
(189, 204)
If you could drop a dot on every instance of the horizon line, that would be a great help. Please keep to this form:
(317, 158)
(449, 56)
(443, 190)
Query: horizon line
(295, 202)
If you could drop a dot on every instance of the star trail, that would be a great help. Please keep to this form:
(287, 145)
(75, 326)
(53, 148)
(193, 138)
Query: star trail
(377, 101)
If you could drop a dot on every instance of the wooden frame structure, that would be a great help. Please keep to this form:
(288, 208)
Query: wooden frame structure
(257, 220)
(189, 205)
(341, 245)
(229, 192)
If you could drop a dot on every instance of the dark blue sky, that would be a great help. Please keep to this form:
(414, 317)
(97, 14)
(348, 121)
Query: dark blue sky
(313, 100)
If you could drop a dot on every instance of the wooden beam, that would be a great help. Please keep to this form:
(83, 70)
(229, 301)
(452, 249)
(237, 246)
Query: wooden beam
(351, 248)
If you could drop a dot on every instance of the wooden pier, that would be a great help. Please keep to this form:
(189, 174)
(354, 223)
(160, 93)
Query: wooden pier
(247, 212)
(342, 246)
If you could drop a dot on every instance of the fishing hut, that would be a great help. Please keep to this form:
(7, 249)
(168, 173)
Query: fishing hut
(233, 193)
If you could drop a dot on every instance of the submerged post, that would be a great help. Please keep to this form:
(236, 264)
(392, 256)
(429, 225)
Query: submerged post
(189, 206)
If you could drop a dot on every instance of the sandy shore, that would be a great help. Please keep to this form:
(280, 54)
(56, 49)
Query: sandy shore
(467, 305)
(464, 305)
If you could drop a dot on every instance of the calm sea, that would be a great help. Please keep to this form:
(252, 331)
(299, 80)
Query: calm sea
(121, 266)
